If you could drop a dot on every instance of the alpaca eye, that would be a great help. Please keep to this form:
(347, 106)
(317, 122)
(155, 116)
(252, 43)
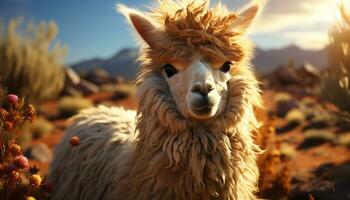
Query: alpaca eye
(169, 70)
(226, 67)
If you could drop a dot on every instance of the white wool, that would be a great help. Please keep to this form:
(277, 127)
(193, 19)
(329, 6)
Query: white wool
(157, 152)
(103, 132)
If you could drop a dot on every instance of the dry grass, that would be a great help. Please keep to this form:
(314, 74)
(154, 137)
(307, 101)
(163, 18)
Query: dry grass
(31, 65)
(335, 81)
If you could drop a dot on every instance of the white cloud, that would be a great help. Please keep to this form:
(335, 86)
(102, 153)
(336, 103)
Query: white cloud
(309, 12)
(308, 40)
(304, 22)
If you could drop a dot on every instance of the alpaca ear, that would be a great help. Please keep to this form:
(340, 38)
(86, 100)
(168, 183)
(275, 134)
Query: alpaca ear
(248, 16)
(148, 32)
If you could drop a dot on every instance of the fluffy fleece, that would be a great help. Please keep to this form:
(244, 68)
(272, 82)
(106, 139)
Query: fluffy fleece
(164, 155)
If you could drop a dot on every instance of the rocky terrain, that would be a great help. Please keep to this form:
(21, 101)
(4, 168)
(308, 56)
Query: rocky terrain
(306, 147)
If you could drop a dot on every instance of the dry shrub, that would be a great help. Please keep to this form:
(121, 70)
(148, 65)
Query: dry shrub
(69, 106)
(18, 180)
(31, 65)
(335, 86)
(275, 174)
(121, 91)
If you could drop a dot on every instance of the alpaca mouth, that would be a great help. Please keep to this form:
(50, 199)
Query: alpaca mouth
(203, 110)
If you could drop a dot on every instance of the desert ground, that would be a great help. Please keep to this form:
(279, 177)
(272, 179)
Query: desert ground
(306, 149)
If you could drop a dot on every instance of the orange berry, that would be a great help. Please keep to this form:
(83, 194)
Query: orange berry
(30, 198)
(29, 113)
(74, 141)
(8, 126)
(35, 180)
(3, 113)
(15, 149)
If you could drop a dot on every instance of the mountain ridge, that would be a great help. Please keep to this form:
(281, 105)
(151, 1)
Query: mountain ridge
(265, 61)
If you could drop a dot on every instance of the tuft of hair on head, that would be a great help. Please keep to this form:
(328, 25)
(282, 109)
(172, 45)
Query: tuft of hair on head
(248, 15)
(148, 31)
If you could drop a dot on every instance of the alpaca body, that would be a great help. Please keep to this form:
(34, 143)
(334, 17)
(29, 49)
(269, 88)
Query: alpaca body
(201, 161)
(191, 137)
(106, 163)
(106, 142)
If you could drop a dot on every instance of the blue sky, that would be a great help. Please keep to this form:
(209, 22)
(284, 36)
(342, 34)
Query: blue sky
(92, 28)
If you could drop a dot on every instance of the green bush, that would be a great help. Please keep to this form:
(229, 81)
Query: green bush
(69, 106)
(335, 86)
(30, 64)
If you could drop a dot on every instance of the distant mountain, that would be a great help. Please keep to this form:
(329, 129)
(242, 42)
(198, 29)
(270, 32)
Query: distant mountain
(124, 62)
(268, 60)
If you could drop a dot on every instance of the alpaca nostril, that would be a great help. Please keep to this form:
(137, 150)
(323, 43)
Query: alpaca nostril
(202, 90)
(196, 89)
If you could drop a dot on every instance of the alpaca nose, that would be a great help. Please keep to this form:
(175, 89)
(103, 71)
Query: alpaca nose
(202, 89)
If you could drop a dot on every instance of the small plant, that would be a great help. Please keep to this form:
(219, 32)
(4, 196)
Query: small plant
(17, 179)
(31, 65)
(69, 106)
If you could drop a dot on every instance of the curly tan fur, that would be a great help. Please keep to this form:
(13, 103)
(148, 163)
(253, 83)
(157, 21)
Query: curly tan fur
(165, 155)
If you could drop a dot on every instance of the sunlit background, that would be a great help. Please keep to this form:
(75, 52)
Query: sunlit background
(302, 63)
(93, 28)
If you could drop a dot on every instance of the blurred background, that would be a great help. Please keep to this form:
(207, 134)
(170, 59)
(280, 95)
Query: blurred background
(64, 56)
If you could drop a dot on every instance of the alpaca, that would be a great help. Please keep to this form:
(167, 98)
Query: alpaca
(192, 138)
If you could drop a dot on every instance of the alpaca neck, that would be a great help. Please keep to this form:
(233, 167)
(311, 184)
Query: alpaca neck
(196, 162)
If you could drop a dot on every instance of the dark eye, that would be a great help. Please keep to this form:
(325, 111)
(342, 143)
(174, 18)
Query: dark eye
(169, 70)
(226, 67)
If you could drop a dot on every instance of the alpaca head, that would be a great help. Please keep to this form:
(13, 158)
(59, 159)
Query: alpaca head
(195, 49)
